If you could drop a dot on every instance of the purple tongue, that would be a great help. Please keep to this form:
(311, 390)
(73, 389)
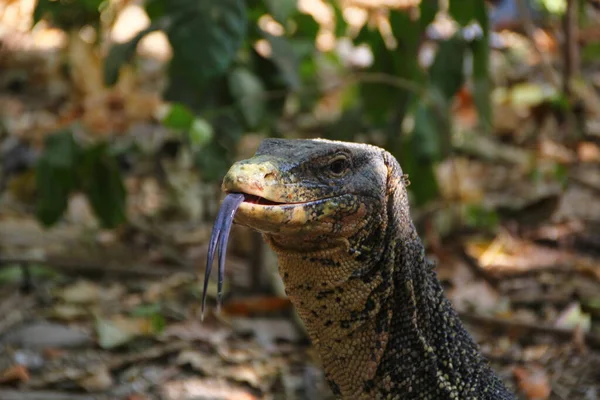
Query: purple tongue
(220, 236)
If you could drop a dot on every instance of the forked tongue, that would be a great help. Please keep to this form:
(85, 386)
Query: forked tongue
(218, 242)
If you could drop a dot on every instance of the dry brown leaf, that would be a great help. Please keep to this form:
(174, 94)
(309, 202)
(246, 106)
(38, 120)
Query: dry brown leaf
(507, 254)
(191, 330)
(99, 380)
(588, 152)
(533, 381)
(479, 296)
(204, 388)
(14, 373)
(257, 305)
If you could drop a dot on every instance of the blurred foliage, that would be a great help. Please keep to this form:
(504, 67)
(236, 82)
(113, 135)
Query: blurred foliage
(221, 86)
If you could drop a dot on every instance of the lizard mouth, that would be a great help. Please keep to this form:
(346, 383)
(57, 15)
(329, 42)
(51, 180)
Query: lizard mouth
(261, 214)
(253, 199)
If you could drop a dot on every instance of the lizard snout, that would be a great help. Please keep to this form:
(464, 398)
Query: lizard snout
(256, 178)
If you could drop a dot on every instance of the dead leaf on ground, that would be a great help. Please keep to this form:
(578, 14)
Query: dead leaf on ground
(87, 292)
(572, 317)
(588, 152)
(205, 363)
(99, 380)
(507, 254)
(67, 312)
(161, 289)
(267, 331)
(14, 373)
(119, 330)
(478, 296)
(257, 305)
(533, 381)
(204, 389)
(191, 330)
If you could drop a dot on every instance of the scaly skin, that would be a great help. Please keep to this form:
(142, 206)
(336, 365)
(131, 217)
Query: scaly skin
(354, 267)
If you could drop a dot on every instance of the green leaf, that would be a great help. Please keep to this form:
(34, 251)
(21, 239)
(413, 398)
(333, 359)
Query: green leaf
(480, 11)
(482, 85)
(306, 27)
(428, 134)
(156, 8)
(446, 73)
(557, 7)
(480, 217)
(428, 10)
(248, 92)
(112, 335)
(418, 170)
(341, 26)
(463, 11)
(146, 310)
(179, 117)
(13, 273)
(55, 176)
(382, 100)
(103, 185)
(54, 185)
(281, 10)
(61, 150)
(212, 161)
(68, 14)
(201, 132)
(273, 80)
(122, 53)
(285, 58)
(205, 34)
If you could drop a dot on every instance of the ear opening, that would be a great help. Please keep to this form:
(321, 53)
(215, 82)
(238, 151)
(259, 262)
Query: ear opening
(395, 176)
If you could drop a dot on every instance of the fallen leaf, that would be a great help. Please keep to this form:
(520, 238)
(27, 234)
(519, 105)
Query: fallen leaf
(67, 312)
(191, 330)
(198, 388)
(207, 364)
(533, 382)
(478, 296)
(87, 292)
(588, 152)
(119, 330)
(572, 317)
(14, 373)
(257, 305)
(267, 331)
(99, 380)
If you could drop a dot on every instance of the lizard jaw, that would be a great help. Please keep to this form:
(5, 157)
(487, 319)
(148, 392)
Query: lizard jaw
(292, 219)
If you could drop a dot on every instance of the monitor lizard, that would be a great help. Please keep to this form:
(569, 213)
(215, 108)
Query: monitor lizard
(336, 214)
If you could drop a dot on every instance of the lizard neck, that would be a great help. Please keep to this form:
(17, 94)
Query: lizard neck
(342, 312)
(381, 331)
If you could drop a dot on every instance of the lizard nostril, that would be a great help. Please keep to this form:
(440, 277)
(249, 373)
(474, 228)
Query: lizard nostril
(270, 177)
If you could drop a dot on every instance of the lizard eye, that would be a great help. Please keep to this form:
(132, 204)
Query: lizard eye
(338, 166)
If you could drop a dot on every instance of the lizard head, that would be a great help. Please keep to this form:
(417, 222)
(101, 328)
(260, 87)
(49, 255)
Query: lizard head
(306, 192)
(327, 209)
